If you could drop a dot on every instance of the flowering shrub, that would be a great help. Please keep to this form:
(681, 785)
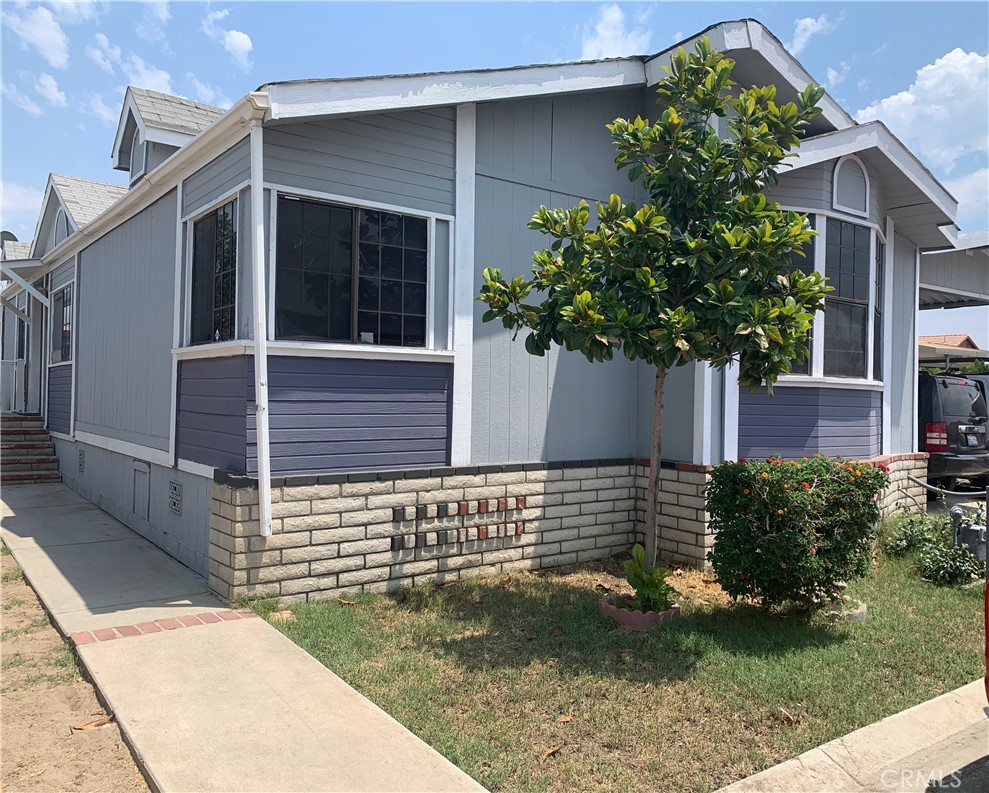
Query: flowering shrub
(792, 531)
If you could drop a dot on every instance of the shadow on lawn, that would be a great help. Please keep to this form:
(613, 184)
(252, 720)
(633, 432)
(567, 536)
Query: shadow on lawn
(513, 625)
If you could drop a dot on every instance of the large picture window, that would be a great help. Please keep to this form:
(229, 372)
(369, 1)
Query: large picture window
(345, 274)
(61, 319)
(214, 275)
(846, 320)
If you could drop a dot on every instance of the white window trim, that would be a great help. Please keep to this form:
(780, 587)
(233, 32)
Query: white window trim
(220, 349)
(345, 350)
(834, 186)
(51, 324)
(275, 191)
(829, 382)
(189, 222)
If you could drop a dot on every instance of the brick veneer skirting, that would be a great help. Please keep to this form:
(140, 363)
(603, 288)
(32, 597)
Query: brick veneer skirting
(382, 531)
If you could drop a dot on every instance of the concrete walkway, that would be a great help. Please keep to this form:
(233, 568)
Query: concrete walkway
(209, 699)
(946, 738)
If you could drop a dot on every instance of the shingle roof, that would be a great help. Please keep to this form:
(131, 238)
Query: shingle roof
(86, 199)
(962, 340)
(162, 111)
(16, 250)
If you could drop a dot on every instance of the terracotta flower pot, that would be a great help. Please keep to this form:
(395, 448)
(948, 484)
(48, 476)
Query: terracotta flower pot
(633, 620)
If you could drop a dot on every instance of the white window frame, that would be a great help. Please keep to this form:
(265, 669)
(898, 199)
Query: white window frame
(834, 186)
(187, 223)
(817, 378)
(349, 349)
(51, 326)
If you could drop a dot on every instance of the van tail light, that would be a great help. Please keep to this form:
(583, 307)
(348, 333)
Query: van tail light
(935, 436)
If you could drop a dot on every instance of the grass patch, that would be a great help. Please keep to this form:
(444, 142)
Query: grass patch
(12, 603)
(4, 550)
(498, 673)
(12, 576)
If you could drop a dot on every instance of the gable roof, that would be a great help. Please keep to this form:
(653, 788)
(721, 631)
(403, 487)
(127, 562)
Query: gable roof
(14, 250)
(173, 113)
(961, 340)
(85, 199)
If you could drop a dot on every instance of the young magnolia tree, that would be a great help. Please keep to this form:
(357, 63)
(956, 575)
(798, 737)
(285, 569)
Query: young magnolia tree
(700, 271)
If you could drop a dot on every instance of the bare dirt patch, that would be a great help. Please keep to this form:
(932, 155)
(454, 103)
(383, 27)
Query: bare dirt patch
(42, 695)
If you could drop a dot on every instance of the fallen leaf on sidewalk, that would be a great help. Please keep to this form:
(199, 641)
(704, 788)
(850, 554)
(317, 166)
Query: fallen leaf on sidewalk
(92, 725)
(343, 602)
(551, 751)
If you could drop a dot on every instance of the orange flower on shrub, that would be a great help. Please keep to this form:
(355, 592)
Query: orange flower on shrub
(765, 475)
(805, 484)
(780, 511)
(745, 492)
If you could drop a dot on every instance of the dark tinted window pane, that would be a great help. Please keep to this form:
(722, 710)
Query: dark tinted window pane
(391, 229)
(289, 216)
(961, 401)
(862, 238)
(415, 299)
(415, 233)
(341, 257)
(315, 219)
(316, 254)
(369, 226)
(862, 261)
(289, 251)
(300, 305)
(414, 332)
(391, 262)
(367, 294)
(367, 327)
(391, 329)
(369, 260)
(415, 266)
(342, 224)
(214, 276)
(391, 295)
(831, 257)
(341, 297)
(845, 332)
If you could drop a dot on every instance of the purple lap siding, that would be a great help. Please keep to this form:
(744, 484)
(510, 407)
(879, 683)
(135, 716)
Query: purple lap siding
(212, 412)
(801, 421)
(339, 414)
(60, 399)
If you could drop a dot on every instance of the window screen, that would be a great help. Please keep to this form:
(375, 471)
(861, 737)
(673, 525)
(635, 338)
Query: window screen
(805, 265)
(846, 321)
(61, 319)
(214, 275)
(350, 275)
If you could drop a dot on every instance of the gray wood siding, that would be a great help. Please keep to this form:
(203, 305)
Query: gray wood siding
(343, 414)
(62, 275)
(799, 421)
(216, 178)
(60, 398)
(405, 159)
(901, 348)
(124, 329)
(211, 417)
(111, 481)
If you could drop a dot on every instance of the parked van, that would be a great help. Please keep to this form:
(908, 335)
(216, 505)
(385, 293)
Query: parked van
(953, 418)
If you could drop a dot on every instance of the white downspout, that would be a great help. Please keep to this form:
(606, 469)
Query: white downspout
(260, 325)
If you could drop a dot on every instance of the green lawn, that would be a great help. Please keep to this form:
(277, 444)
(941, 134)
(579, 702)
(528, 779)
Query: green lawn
(522, 684)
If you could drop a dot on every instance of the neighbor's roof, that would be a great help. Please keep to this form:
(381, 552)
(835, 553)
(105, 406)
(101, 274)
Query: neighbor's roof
(13, 250)
(960, 340)
(163, 111)
(86, 199)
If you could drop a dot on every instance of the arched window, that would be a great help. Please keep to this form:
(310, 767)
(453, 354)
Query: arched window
(851, 187)
(60, 228)
(136, 156)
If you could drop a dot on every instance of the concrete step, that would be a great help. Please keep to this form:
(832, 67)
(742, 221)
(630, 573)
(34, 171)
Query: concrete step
(19, 434)
(28, 477)
(8, 422)
(27, 449)
(28, 463)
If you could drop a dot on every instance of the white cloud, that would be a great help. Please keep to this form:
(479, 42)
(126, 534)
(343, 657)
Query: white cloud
(207, 93)
(836, 77)
(72, 12)
(39, 30)
(943, 114)
(805, 28)
(863, 84)
(23, 101)
(103, 54)
(94, 106)
(154, 17)
(972, 192)
(19, 207)
(142, 74)
(47, 88)
(610, 39)
(235, 42)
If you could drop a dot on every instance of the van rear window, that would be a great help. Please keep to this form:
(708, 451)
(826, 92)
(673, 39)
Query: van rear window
(962, 401)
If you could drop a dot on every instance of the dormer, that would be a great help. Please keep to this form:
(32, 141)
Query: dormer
(69, 204)
(153, 126)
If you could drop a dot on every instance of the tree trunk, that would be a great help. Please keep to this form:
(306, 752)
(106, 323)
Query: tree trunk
(651, 527)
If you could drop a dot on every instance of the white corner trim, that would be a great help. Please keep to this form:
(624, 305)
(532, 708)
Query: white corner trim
(62, 436)
(729, 448)
(703, 414)
(377, 94)
(834, 186)
(888, 341)
(259, 324)
(306, 349)
(136, 450)
(195, 468)
(914, 342)
(463, 288)
(176, 321)
(817, 339)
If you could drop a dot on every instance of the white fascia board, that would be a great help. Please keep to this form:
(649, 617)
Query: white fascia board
(320, 98)
(874, 135)
(129, 108)
(225, 132)
(728, 37)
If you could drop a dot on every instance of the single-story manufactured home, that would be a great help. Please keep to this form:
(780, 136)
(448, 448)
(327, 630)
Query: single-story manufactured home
(266, 355)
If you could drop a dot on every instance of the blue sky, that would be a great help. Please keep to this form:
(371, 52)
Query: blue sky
(923, 68)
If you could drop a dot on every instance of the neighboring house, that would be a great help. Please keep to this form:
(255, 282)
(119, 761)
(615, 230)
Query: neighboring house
(960, 341)
(284, 301)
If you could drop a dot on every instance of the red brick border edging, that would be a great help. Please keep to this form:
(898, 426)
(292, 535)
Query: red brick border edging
(165, 624)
